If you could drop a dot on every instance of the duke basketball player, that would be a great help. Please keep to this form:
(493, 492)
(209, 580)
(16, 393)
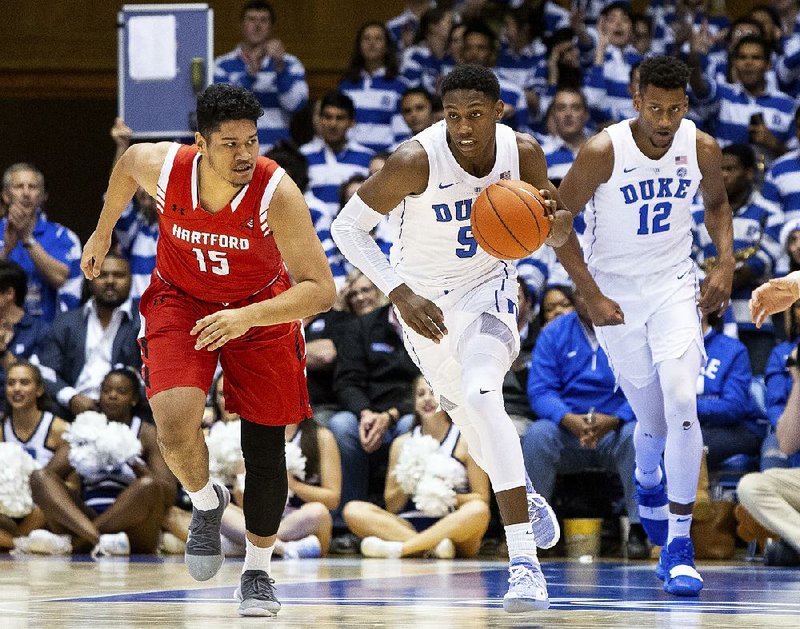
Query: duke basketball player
(457, 303)
(639, 178)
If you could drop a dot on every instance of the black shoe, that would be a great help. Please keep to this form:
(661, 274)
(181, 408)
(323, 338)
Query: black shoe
(779, 553)
(637, 546)
(347, 544)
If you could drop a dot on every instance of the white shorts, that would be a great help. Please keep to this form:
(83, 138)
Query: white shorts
(662, 320)
(440, 363)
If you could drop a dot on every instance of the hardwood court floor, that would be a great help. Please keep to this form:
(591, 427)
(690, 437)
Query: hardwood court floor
(153, 592)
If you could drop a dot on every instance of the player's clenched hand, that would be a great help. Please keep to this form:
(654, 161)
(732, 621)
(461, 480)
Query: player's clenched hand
(604, 311)
(420, 314)
(94, 252)
(217, 329)
(773, 297)
(560, 228)
(716, 289)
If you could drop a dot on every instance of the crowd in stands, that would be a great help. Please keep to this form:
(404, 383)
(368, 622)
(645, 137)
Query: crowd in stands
(69, 348)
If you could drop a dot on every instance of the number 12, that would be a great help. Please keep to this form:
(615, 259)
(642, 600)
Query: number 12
(661, 213)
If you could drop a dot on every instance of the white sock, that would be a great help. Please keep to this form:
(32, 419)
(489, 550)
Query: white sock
(257, 558)
(648, 480)
(679, 526)
(520, 541)
(205, 498)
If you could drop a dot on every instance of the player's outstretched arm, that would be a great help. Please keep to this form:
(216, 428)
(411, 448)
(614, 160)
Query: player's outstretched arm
(140, 165)
(533, 170)
(716, 289)
(592, 167)
(405, 173)
(774, 296)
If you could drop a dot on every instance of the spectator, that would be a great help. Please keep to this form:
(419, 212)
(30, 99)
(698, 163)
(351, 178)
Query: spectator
(772, 497)
(584, 419)
(332, 158)
(427, 61)
(726, 411)
(756, 230)
(22, 335)
(88, 342)
(556, 301)
(404, 28)
(361, 296)
(747, 111)
(261, 64)
(779, 382)
(416, 107)
(117, 512)
(515, 385)
(137, 229)
(372, 83)
(642, 36)
(480, 47)
(401, 529)
(49, 253)
(570, 115)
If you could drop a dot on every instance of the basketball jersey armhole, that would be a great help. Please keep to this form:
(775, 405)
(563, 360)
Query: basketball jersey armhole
(163, 177)
(430, 155)
(266, 198)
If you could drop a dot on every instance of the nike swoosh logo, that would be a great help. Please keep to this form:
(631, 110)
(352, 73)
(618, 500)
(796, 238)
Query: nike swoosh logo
(629, 170)
(682, 275)
(481, 391)
(442, 186)
(683, 519)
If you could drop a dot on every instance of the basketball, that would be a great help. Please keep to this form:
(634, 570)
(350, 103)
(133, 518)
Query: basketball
(509, 220)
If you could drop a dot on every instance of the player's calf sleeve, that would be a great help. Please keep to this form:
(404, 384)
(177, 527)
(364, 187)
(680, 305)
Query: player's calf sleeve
(266, 486)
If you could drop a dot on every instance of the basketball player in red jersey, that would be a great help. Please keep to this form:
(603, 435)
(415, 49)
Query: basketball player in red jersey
(228, 221)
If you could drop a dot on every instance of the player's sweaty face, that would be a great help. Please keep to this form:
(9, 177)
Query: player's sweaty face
(233, 149)
(660, 113)
(471, 116)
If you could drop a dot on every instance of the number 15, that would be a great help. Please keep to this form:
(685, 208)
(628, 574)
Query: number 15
(218, 257)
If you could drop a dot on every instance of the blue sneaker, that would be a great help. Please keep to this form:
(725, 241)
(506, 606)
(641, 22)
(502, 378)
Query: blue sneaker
(527, 589)
(653, 510)
(544, 523)
(676, 568)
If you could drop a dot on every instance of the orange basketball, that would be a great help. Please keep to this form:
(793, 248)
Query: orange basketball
(509, 220)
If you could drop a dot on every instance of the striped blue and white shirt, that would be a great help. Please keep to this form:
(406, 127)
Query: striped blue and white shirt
(756, 230)
(327, 170)
(559, 156)
(379, 123)
(321, 219)
(280, 93)
(780, 194)
(420, 68)
(407, 20)
(606, 86)
(138, 242)
(43, 300)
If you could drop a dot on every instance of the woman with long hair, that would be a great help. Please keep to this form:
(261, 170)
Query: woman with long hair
(372, 82)
(401, 529)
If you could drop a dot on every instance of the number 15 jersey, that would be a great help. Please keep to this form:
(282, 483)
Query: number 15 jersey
(640, 220)
(222, 257)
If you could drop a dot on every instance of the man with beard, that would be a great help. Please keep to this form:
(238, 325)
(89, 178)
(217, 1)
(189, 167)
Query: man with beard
(85, 344)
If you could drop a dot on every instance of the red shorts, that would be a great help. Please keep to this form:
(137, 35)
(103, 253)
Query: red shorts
(264, 369)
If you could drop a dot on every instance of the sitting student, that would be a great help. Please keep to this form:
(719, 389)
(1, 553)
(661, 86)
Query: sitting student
(772, 497)
(403, 530)
(726, 411)
(584, 419)
(120, 511)
(779, 383)
(38, 432)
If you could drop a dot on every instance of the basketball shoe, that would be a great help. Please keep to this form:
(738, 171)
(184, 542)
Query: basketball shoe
(676, 568)
(257, 594)
(527, 589)
(653, 510)
(544, 523)
(204, 554)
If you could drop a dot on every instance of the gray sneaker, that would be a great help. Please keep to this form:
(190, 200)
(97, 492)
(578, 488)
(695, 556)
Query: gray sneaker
(204, 554)
(257, 595)
(544, 523)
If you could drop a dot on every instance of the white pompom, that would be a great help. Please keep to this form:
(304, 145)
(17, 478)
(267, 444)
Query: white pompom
(413, 460)
(295, 463)
(98, 446)
(16, 466)
(435, 495)
(225, 458)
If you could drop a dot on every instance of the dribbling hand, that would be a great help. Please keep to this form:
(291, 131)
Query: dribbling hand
(217, 329)
(420, 314)
(94, 252)
(604, 311)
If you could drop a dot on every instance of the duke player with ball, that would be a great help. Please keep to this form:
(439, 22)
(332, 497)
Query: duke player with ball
(639, 178)
(457, 302)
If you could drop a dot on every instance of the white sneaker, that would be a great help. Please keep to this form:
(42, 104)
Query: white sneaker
(445, 549)
(43, 542)
(171, 544)
(305, 548)
(380, 548)
(112, 544)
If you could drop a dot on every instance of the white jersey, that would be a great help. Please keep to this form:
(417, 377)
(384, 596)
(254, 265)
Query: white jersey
(640, 221)
(36, 446)
(435, 249)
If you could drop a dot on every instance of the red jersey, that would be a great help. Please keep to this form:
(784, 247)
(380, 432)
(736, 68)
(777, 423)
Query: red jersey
(222, 257)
